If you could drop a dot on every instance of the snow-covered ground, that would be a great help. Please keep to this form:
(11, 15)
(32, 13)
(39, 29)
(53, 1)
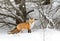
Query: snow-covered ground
(36, 35)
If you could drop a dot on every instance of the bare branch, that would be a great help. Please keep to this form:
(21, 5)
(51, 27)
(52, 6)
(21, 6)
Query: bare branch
(16, 17)
(30, 11)
(7, 15)
(19, 19)
(16, 8)
(45, 17)
(54, 9)
(3, 25)
(8, 23)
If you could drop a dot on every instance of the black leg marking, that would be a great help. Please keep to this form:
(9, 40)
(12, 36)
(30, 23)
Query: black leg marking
(29, 31)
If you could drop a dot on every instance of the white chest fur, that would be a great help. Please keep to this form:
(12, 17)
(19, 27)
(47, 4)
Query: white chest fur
(31, 25)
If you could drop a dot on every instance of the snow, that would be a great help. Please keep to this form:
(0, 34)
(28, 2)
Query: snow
(55, 4)
(35, 35)
(52, 35)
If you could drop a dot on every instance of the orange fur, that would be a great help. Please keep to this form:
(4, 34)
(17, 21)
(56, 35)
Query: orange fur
(22, 26)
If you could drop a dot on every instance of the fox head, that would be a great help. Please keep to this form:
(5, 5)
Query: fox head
(31, 20)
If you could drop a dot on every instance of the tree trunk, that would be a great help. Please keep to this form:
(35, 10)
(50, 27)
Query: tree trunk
(22, 8)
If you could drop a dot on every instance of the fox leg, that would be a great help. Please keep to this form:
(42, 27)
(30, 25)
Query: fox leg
(29, 30)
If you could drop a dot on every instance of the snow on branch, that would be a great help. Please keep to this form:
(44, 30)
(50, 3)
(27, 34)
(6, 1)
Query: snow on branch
(16, 8)
(7, 23)
(43, 11)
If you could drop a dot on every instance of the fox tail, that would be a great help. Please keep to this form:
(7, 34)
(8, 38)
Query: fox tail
(15, 30)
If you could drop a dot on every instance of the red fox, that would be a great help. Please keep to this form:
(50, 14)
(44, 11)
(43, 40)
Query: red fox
(22, 26)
